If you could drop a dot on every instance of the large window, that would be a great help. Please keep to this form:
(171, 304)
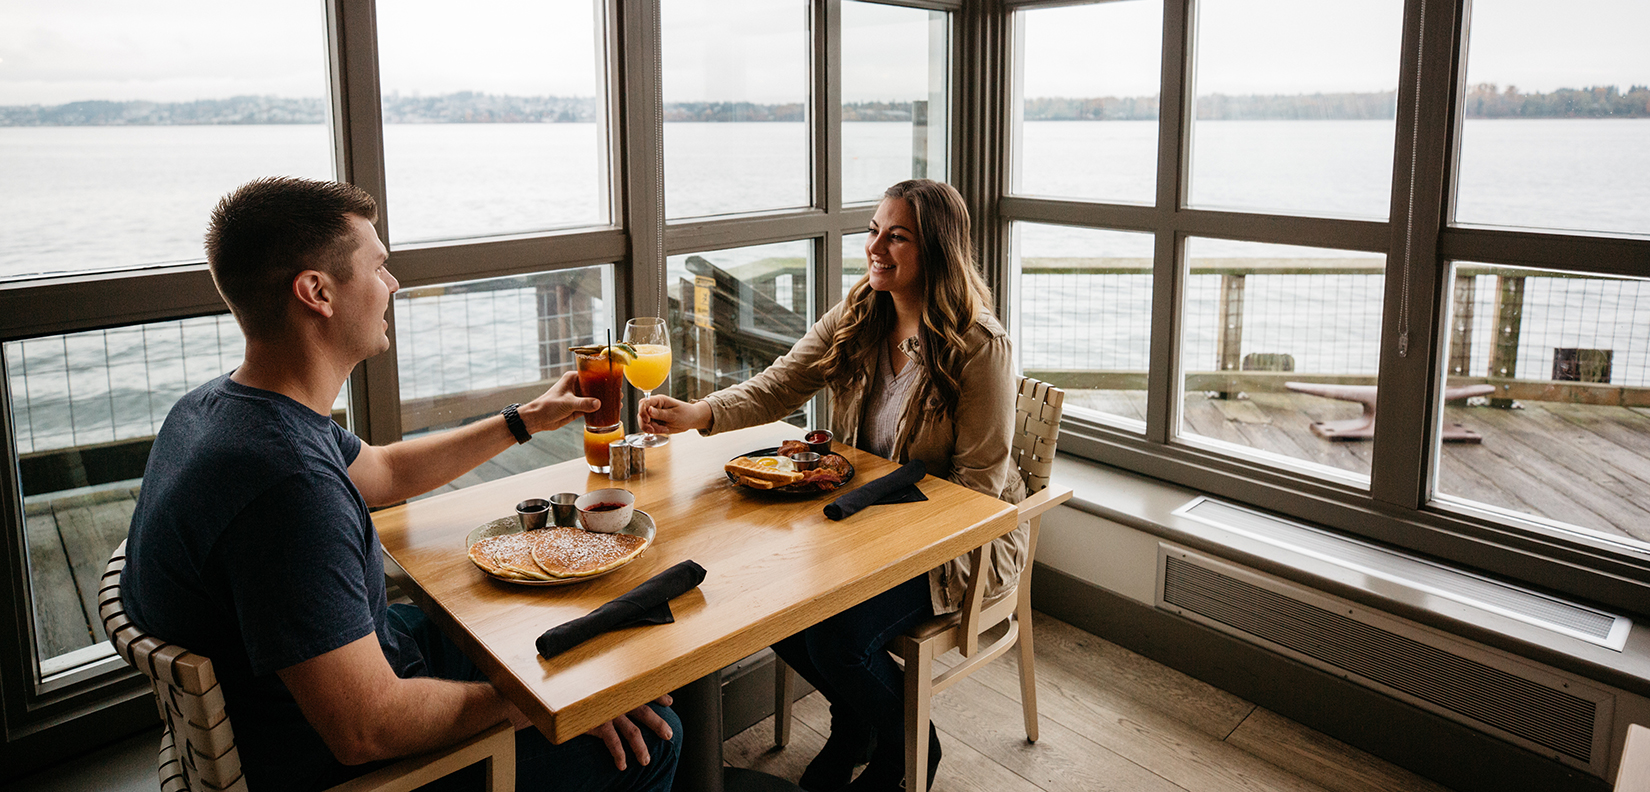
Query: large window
(465, 348)
(85, 408)
(1085, 315)
(736, 98)
(1294, 107)
(1556, 114)
(1317, 342)
(494, 119)
(1559, 433)
(735, 311)
(894, 107)
(1088, 103)
(121, 125)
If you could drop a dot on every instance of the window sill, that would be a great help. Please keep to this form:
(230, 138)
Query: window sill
(1147, 506)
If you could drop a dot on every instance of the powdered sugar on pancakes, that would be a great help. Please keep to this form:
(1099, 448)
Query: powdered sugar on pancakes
(554, 553)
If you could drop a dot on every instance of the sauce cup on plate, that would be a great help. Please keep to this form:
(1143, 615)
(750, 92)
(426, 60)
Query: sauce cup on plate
(818, 440)
(606, 510)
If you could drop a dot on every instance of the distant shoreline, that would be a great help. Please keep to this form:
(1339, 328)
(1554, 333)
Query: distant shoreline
(468, 107)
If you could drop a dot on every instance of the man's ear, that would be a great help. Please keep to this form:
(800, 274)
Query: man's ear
(314, 292)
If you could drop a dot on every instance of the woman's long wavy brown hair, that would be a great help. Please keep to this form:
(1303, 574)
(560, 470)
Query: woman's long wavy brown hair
(953, 295)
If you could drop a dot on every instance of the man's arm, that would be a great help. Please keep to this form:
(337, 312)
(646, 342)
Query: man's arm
(398, 471)
(364, 712)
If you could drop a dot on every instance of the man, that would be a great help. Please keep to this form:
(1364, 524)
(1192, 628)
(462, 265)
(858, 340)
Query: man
(251, 543)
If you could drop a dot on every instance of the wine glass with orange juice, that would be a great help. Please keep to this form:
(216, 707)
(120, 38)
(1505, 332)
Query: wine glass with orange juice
(650, 367)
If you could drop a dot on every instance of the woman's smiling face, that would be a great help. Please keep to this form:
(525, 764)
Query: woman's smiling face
(891, 249)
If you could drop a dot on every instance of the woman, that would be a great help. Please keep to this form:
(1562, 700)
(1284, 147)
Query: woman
(918, 368)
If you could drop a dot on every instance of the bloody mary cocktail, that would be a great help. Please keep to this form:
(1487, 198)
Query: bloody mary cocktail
(601, 376)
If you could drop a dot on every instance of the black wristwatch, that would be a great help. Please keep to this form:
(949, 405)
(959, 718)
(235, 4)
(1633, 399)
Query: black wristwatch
(517, 426)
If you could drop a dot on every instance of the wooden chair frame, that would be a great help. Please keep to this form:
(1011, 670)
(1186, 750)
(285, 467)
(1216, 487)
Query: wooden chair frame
(1038, 409)
(206, 759)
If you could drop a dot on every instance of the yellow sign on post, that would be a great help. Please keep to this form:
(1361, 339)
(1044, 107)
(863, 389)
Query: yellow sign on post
(703, 287)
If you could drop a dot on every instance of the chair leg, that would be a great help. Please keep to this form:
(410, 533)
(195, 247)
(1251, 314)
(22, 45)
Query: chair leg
(919, 694)
(1028, 669)
(784, 690)
(501, 765)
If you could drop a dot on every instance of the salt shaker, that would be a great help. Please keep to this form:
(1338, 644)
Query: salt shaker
(620, 456)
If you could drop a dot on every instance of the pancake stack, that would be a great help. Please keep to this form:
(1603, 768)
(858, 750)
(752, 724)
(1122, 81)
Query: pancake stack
(551, 554)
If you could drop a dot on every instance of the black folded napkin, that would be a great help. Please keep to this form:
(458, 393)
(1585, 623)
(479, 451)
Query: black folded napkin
(648, 603)
(899, 486)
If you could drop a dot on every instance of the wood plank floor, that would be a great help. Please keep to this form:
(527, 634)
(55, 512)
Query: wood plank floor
(1109, 720)
(1587, 465)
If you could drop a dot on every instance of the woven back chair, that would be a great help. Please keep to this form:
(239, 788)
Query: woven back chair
(197, 746)
(1037, 412)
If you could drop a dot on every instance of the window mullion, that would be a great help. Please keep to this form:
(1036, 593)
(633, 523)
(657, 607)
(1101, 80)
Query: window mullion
(825, 24)
(358, 158)
(1162, 391)
(1412, 334)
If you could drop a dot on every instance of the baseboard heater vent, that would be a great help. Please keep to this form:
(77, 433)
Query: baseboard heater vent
(1542, 709)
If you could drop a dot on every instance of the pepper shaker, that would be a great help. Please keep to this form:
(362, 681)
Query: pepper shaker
(620, 456)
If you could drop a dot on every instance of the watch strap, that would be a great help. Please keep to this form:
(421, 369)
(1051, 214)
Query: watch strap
(517, 426)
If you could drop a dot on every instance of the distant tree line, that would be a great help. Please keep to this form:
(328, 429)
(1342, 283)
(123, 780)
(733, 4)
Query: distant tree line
(1484, 100)
(1218, 107)
(732, 111)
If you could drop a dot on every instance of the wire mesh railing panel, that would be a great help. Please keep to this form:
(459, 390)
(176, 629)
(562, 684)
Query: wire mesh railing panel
(1608, 315)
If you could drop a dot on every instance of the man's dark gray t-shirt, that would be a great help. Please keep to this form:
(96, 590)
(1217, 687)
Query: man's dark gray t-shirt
(250, 545)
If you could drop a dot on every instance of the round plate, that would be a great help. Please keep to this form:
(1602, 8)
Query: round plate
(640, 525)
(793, 489)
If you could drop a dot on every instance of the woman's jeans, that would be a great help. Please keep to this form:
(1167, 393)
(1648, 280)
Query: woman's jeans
(844, 658)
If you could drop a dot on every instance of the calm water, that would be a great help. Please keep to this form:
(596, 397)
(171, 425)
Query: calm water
(84, 198)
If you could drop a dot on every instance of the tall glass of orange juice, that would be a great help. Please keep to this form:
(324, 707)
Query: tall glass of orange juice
(650, 367)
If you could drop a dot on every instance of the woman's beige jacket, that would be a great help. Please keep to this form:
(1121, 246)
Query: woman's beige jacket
(972, 450)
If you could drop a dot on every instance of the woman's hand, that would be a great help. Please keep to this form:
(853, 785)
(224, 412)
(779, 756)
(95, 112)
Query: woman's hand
(666, 415)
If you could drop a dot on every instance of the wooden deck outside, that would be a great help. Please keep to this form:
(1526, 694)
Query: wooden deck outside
(1588, 465)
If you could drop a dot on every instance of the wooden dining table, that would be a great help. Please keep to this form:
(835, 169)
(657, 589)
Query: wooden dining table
(774, 565)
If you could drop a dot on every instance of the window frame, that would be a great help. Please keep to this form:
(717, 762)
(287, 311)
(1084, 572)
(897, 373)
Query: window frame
(43, 725)
(1397, 508)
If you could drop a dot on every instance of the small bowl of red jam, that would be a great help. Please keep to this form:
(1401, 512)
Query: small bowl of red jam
(818, 440)
(605, 510)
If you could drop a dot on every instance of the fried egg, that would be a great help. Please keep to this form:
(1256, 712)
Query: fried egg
(776, 462)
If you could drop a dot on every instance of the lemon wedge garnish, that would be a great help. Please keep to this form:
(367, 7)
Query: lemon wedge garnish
(623, 353)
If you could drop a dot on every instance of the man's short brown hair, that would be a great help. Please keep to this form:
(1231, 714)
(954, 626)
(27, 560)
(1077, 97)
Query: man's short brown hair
(267, 231)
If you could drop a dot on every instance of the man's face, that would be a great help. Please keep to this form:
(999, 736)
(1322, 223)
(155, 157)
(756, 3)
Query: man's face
(363, 304)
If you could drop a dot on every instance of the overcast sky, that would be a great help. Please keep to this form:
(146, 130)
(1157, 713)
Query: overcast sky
(55, 51)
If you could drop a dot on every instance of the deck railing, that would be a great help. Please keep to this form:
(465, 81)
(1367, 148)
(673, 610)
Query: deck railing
(1250, 325)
